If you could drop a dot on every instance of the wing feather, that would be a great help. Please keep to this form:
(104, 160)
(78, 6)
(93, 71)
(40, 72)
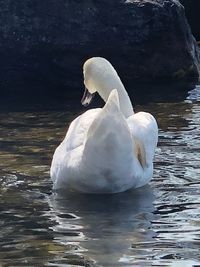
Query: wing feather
(144, 131)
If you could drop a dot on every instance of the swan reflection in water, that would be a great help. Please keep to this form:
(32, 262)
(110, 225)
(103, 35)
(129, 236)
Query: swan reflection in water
(103, 227)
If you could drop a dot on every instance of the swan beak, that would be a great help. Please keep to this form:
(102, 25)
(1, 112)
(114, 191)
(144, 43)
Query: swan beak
(87, 98)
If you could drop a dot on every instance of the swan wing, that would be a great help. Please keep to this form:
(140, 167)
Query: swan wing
(73, 141)
(144, 130)
(78, 129)
(108, 153)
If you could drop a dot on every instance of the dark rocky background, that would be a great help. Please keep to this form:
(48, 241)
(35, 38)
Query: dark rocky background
(192, 11)
(43, 44)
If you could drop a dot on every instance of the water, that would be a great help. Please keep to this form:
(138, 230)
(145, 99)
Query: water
(158, 225)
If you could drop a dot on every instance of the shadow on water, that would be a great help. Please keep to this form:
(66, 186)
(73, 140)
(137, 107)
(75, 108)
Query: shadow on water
(106, 225)
(62, 99)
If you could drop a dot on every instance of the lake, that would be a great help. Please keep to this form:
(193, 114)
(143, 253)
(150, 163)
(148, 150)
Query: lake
(157, 225)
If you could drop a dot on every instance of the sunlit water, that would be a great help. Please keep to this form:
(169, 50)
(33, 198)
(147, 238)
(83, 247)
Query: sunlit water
(158, 225)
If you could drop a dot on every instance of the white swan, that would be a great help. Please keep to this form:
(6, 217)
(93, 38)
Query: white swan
(106, 150)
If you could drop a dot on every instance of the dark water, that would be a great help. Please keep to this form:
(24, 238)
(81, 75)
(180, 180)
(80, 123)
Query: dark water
(158, 225)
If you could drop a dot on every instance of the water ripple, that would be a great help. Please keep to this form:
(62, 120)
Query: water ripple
(158, 225)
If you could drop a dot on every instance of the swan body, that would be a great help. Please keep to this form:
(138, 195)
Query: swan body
(109, 149)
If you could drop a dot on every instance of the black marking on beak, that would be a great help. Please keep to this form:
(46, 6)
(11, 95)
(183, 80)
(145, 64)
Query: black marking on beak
(87, 98)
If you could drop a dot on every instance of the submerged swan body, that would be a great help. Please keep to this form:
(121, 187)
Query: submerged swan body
(109, 149)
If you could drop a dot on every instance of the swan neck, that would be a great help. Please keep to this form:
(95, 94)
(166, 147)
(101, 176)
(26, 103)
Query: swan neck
(124, 100)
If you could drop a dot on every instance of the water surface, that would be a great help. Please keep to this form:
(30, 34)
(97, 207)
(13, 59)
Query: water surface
(157, 225)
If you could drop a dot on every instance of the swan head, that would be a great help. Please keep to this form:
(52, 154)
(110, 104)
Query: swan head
(99, 76)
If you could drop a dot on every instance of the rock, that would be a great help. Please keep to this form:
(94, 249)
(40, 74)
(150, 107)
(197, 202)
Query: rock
(45, 43)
